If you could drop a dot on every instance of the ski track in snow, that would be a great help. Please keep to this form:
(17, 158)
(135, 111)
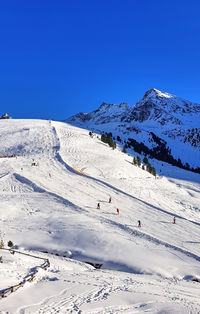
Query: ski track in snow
(60, 203)
(131, 231)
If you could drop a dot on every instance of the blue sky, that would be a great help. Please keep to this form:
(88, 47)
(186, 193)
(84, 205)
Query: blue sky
(61, 57)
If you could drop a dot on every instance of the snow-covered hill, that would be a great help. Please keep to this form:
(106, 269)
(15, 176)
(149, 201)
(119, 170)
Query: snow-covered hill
(49, 194)
(161, 125)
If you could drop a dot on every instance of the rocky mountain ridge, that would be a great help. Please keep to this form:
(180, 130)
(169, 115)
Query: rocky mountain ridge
(157, 118)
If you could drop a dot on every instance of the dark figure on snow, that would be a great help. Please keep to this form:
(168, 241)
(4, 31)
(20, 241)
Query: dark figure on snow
(110, 199)
(139, 223)
(117, 211)
(174, 220)
(98, 205)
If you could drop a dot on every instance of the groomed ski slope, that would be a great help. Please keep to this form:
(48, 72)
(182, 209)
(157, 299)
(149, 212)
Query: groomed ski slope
(53, 207)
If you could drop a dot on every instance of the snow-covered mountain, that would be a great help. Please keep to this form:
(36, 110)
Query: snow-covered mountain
(52, 175)
(160, 125)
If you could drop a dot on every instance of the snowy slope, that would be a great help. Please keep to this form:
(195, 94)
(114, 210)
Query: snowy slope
(166, 124)
(52, 207)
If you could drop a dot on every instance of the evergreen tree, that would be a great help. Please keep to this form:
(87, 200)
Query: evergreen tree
(134, 161)
(118, 138)
(109, 140)
(124, 149)
(187, 166)
(138, 161)
(103, 138)
(153, 171)
(143, 167)
(179, 163)
(145, 160)
(149, 168)
(114, 145)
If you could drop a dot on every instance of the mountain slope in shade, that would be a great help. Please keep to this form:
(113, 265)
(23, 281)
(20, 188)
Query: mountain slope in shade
(160, 125)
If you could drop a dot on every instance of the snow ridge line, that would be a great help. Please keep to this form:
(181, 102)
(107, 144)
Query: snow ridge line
(28, 278)
(134, 232)
(37, 189)
(72, 170)
(150, 238)
(57, 153)
(101, 182)
(58, 156)
(122, 227)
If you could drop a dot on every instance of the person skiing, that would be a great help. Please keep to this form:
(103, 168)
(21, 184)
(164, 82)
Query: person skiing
(174, 220)
(117, 211)
(110, 199)
(139, 223)
(98, 205)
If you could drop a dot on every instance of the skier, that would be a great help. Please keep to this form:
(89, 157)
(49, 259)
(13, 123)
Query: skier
(110, 199)
(98, 205)
(117, 211)
(139, 223)
(174, 220)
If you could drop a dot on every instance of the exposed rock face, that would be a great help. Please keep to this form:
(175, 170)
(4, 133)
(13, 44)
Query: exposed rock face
(172, 120)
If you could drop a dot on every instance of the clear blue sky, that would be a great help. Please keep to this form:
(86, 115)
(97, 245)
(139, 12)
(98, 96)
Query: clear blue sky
(60, 57)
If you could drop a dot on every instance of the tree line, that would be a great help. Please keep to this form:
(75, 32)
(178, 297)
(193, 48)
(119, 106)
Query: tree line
(108, 139)
(159, 152)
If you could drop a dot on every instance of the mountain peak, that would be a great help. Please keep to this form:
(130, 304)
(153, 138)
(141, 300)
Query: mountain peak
(157, 124)
(156, 106)
(153, 92)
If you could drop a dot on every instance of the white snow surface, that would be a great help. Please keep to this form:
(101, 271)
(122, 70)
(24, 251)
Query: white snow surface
(169, 117)
(53, 207)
